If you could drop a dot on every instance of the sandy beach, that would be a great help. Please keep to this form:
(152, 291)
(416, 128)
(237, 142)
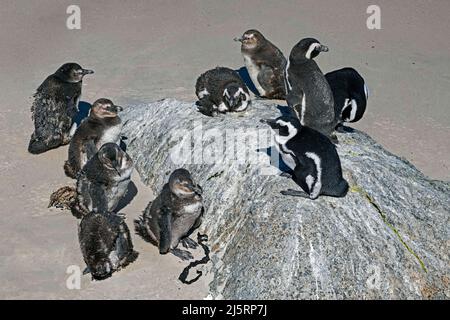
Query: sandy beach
(143, 51)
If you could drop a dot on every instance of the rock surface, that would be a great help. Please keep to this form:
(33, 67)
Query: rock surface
(389, 238)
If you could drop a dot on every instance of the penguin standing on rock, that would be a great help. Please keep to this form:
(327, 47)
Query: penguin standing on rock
(175, 213)
(54, 107)
(265, 64)
(105, 243)
(221, 90)
(312, 158)
(308, 91)
(350, 94)
(103, 181)
(102, 126)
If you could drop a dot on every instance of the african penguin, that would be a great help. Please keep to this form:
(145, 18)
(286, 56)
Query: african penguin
(102, 126)
(54, 107)
(312, 158)
(175, 213)
(221, 90)
(308, 92)
(265, 64)
(103, 181)
(350, 94)
(105, 243)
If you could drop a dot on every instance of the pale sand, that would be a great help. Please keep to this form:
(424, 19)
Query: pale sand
(147, 50)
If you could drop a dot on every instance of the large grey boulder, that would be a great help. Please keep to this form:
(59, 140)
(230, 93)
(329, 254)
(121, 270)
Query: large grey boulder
(387, 239)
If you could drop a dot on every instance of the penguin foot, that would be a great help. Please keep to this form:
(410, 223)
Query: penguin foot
(182, 254)
(294, 193)
(202, 237)
(188, 243)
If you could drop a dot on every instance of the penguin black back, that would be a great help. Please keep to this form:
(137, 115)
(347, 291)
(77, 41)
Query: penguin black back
(105, 243)
(309, 93)
(54, 107)
(313, 160)
(350, 94)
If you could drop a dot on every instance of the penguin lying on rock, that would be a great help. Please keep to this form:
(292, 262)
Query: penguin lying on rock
(54, 107)
(221, 90)
(312, 158)
(175, 213)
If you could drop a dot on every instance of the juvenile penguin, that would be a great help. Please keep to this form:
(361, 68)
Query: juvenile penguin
(350, 94)
(221, 90)
(265, 64)
(102, 126)
(173, 215)
(54, 107)
(105, 243)
(308, 91)
(103, 181)
(312, 158)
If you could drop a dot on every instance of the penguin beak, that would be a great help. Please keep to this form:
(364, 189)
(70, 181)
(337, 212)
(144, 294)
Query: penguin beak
(119, 108)
(87, 71)
(238, 39)
(322, 48)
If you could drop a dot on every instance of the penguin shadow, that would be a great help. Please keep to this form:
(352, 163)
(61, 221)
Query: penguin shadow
(83, 111)
(243, 73)
(128, 197)
(344, 129)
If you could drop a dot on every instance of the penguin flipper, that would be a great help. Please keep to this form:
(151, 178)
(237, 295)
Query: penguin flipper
(270, 82)
(182, 254)
(294, 102)
(165, 227)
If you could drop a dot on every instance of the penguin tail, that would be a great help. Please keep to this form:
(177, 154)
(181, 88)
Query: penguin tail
(69, 170)
(37, 146)
(63, 198)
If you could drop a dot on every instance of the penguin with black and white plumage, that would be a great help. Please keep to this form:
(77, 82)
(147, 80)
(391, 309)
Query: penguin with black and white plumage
(103, 181)
(105, 243)
(54, 107)
(221, 90)
(311, 157)
(265, 64)
(103, 125)
(308, 91)
(350, 94)
(175, 213)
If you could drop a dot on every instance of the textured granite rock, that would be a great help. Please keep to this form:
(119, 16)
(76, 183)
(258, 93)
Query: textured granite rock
(389, 238)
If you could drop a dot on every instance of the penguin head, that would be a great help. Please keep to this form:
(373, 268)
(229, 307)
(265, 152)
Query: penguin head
(114, 159)
(234, 96)
(182, 185)
(105, 108)
(284, 128)
(307, 49)
(72, 72)
(251, 39)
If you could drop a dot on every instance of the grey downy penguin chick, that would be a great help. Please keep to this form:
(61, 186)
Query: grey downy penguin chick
(103, 181)
(105, 243)
(350, 94)
(312, 158)
(175, 213)
(54, 107)
(221, 90)
(103, 125)
(265, 64)
(308, 91)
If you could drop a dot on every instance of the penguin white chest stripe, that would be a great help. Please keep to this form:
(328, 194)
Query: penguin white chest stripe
(302, 114)
(366, 91)
(354, 107)
(253, 71)
(244, 103)
(318, 181)
(288, 84)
